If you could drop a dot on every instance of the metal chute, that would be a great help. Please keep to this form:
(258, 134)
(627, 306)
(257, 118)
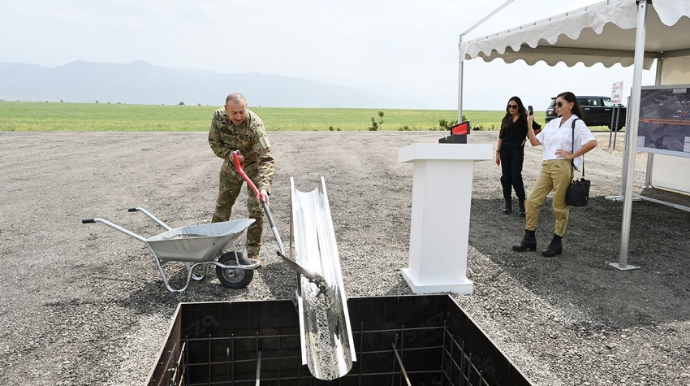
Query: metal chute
(325, 331)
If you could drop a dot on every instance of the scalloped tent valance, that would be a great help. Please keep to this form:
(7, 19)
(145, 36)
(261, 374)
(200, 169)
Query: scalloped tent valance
(600, 33)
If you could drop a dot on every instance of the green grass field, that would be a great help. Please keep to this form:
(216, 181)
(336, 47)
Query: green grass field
(53, 116)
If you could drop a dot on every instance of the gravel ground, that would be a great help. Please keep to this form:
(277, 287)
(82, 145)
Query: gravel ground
(85, 305)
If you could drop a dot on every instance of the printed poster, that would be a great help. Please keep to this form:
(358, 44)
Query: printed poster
(664, 126)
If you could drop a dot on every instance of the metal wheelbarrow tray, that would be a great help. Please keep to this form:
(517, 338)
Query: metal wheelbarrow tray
(197, 246)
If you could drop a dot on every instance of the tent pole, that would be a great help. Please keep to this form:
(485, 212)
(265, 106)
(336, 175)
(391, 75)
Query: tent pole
(462, 59)
(632, 148)
(650, 156)
(461, 70)
(624, 175)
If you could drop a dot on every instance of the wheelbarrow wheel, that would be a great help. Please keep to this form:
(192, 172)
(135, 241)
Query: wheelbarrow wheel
(233, 278)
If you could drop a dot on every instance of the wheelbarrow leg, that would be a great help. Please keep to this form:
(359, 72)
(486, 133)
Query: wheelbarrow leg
(190, 270)
(194, 277)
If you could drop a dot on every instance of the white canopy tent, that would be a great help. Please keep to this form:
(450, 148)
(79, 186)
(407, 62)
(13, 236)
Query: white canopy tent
(600, 33)
(628, 32)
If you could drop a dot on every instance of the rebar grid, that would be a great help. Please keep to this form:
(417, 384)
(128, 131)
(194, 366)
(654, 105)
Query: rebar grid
(455, 368)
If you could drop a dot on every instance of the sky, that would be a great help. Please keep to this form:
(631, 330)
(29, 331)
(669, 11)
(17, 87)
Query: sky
(390, 47)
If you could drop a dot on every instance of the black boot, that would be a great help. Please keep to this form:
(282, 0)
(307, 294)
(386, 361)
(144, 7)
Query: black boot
(528, 243)
(508, 209)
(555, 248)
(520, 193)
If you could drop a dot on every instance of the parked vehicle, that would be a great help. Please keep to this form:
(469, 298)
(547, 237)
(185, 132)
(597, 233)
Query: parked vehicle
(598, 111)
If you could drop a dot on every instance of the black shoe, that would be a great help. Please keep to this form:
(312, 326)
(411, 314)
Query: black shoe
(528, 243)
(555, 248)
(521, 209)
(508, 209)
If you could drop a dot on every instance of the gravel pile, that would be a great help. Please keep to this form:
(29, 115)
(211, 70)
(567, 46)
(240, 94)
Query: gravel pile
(85, 305)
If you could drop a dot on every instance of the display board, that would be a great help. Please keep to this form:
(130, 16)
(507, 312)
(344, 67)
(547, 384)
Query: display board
(664, 126)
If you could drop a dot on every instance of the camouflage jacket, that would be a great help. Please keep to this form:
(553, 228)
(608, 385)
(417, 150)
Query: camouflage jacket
(250, 139)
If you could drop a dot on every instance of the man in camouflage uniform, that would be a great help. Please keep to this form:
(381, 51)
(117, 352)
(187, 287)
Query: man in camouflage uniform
(233, 127)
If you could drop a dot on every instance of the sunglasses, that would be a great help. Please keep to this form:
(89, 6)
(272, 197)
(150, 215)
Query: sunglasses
(512, 106)
(559, 104)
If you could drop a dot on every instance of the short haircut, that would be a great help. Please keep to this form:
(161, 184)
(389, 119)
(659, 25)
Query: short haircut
(235, 98)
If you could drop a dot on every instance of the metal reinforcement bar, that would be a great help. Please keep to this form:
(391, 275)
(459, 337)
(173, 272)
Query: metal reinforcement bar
(456, 367)
(400, 362)
(423, 340)
(326, 335)
(462, 371)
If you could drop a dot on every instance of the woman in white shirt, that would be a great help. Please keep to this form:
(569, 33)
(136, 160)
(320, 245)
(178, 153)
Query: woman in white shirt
(556, 170)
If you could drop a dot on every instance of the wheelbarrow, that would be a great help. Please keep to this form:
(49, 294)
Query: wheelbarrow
(198, 246)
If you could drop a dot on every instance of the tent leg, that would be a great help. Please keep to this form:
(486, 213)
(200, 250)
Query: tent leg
(461, 71)
(624, 174)
(624, 267)
(650, 156)
(621, 198)
(632, 133)
(648, 174)
(462, 55)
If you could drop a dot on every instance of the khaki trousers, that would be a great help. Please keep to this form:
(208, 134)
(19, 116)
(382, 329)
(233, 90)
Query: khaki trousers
(555, 175)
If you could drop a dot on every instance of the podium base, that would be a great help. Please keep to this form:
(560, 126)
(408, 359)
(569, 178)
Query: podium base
(464, 287)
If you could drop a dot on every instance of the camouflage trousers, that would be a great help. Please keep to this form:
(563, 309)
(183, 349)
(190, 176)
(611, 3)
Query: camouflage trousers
(228, 191)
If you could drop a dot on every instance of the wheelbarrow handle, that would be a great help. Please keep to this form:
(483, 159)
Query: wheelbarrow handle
(149, 215)
(116, 227)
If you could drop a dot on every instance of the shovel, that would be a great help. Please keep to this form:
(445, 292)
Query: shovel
(309, 274)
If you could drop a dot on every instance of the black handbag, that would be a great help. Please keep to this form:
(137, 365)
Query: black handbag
(578, 190)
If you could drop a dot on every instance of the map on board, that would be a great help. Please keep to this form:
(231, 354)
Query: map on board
(664, 126)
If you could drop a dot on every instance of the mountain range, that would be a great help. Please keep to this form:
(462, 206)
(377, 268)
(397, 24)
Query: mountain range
(142, 83)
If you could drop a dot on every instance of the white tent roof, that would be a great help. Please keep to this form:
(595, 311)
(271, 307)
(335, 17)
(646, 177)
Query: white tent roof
(600, 33)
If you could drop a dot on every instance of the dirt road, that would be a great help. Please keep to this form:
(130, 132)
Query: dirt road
(85, 305)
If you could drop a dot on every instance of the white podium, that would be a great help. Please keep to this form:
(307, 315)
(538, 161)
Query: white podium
(441, 203)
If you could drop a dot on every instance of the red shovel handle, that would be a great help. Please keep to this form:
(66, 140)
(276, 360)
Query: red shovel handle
(238, 167)
(312, 276)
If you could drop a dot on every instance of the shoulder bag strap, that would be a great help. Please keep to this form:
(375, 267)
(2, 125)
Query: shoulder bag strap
(572, 164)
